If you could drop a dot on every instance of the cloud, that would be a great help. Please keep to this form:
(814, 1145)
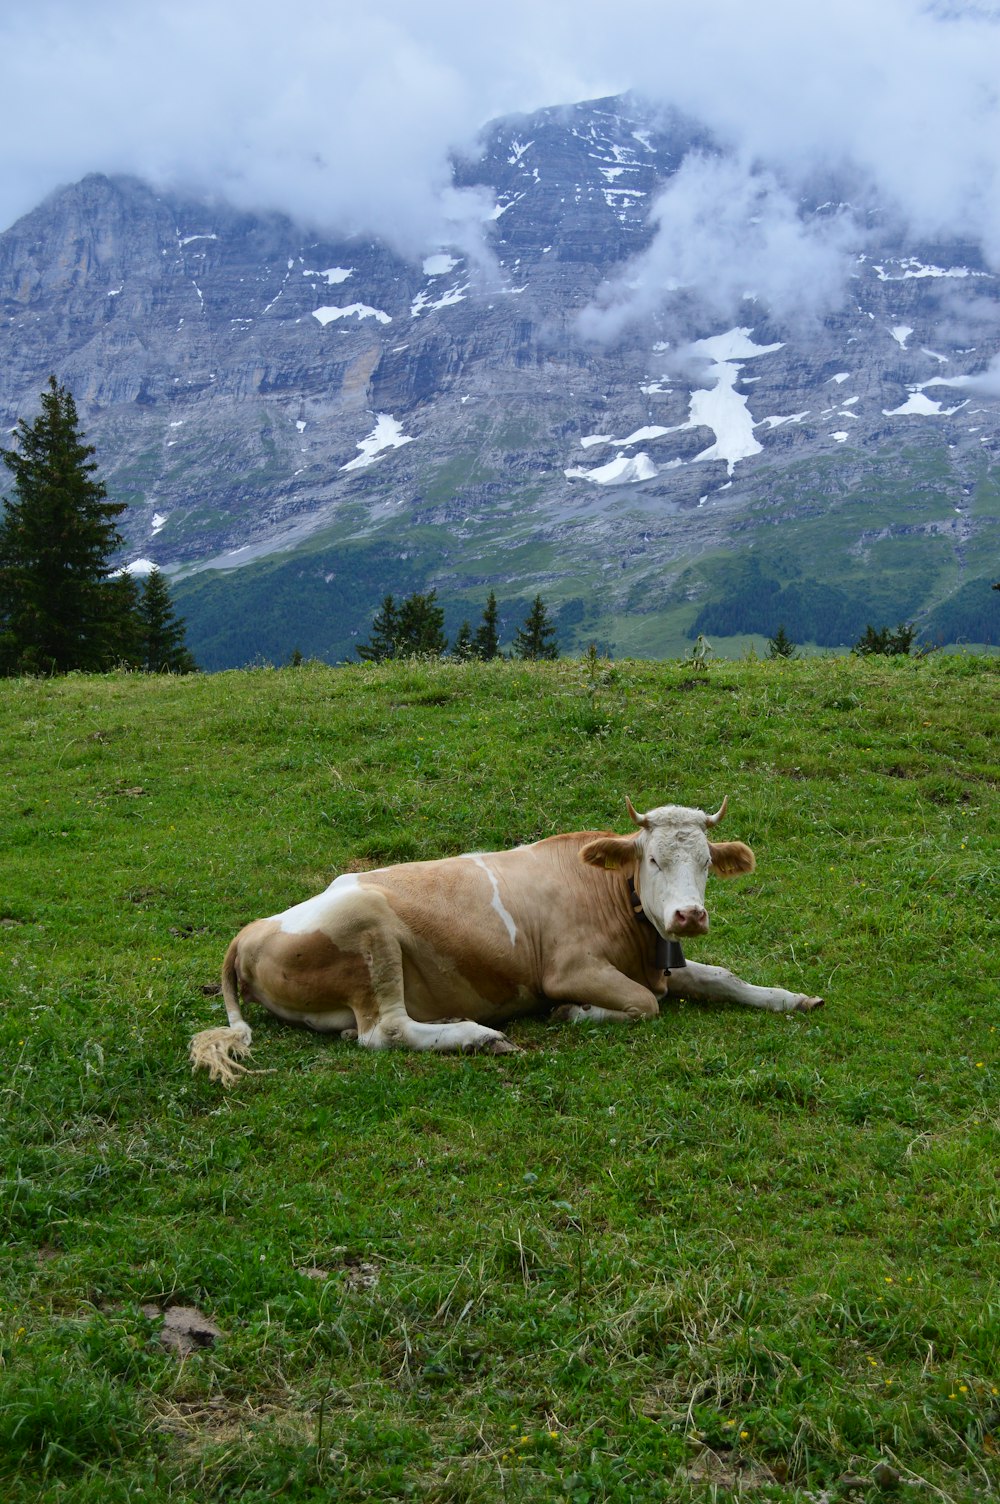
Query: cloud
(345, 116)
(984, 384)
(342, 117)
(893, 107)
(729, 234)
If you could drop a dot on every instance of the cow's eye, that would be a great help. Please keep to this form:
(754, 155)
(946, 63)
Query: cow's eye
(654, 863)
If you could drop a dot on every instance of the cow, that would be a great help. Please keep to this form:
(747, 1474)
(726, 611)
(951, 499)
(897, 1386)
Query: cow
(435, 955)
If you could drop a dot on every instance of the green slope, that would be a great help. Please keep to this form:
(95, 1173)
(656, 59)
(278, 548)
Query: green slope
(656, 1262)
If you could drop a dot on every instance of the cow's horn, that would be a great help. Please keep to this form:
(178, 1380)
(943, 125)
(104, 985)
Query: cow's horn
(636, 818)
(714, 819)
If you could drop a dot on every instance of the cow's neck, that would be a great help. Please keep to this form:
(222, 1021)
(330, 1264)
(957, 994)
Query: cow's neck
(669, 955)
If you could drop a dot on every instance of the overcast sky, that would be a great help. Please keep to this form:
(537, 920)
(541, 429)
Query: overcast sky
(343, 115)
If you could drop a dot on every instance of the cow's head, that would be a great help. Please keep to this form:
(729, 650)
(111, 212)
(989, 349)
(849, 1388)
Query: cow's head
(669, 858)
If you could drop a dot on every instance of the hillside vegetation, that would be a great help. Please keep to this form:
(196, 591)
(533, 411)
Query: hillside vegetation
(722, 1250)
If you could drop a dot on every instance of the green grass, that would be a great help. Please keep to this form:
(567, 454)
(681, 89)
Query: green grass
(720, 1250)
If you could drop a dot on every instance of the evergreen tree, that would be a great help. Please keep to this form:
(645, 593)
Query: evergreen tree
(384, 641)
(161, 634)
(421, 626)
(487, 640)
(124, 630)
(463, 647)
(415, 628)
(537, 638)
(885, 641)
(781, 645)
(60, 608)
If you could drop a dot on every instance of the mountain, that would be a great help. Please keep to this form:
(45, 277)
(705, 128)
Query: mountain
(300, 424)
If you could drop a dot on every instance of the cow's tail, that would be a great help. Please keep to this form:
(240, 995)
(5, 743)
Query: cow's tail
(221, 1051)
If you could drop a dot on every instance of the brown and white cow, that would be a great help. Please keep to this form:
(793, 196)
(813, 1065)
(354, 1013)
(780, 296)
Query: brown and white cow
(433, 955)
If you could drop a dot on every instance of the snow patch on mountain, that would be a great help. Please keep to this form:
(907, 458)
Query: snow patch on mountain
(439, 265)
(387, 434)
(332, 275)
(422, 303)
(353, 310)
(618, 472)
(776, 422)
(910, 267)
(641, 435)
(501, 208)
(718, 407)
(919, 405)
(721, 408)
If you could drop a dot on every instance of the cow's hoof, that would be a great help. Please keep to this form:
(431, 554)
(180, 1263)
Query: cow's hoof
(571, 1013)
(807, 1004)
(500, 1046)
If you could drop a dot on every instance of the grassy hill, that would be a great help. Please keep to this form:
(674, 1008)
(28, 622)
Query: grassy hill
(721, 1250)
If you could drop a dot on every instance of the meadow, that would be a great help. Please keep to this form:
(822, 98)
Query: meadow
(722, 1251)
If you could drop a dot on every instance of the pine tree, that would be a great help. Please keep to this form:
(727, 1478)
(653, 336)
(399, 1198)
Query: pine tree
(884, 641)
(413, 629)
(161, 634)
(421, 626)
(124, 622)
(536, 639)
(486, 643)
(781, 645)
(463, 648)
(384, 641)
(60, 608)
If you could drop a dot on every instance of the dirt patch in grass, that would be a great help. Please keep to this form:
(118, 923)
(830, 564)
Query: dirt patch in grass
(220, 1421)
(185, 1329)
(729, 1471)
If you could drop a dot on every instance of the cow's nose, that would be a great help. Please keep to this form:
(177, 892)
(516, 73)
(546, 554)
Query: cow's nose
(690, 921)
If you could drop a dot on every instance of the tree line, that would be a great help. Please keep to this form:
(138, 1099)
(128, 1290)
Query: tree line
(415, 627)
(63, 603)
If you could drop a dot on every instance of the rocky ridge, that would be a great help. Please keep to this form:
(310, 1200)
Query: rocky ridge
(266, 400)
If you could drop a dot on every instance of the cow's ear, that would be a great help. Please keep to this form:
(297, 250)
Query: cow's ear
(731, 858)
(610, 851)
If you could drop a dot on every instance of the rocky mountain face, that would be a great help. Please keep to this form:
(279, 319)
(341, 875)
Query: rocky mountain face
(301, 425)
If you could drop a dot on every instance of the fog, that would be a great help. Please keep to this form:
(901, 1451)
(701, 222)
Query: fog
(346, 120)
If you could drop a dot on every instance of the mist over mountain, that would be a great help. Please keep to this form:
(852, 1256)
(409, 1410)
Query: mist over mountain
(669, 385)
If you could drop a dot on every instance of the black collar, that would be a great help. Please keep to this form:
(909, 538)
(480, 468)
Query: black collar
(669, 955)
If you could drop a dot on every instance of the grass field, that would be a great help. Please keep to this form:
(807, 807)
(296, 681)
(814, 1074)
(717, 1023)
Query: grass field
(720, 1251)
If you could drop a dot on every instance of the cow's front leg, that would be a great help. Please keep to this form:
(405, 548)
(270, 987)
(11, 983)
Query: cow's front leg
(600, 994)
(714, 984)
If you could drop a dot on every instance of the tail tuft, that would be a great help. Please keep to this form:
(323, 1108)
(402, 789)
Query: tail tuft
(220, 1051)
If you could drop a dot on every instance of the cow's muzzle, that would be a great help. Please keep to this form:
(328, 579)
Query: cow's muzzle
(690, 921)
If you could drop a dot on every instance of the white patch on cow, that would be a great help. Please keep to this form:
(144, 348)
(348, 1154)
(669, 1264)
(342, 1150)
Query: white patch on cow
(590, 1013)
(498, 903)
(400, 1030)
(312, 914)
